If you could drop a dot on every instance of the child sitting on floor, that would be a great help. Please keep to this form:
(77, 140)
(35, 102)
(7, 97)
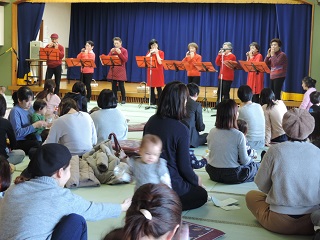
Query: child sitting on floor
(243, 127)
(315, 100)
(40, 109)
(148, 167)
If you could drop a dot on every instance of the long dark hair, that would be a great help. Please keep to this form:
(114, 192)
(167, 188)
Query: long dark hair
(48, 88)
(66, 104)
(164, 206)
(5, 174)
(23, 93)
(172, 102)
(267, 97)
(227, 111)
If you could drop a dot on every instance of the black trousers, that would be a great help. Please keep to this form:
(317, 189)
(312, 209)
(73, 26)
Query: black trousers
(195, 79)
(225, 91)
(57, 77)
(195, 198)
(153, 95)
(115, 85)
(86, 78)
(26, 145)
(276, 86)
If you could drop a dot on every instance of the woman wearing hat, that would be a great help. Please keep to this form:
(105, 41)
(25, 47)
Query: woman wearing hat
(289, 179)
(191, 58)
(54, 66)
(40, 208)
(255, 80)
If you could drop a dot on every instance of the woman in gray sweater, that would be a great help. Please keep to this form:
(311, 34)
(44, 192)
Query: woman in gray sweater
(228, 160)
(41, 208)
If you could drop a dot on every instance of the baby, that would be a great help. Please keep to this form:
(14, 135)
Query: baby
(40, 109)
(243, 127)
(315, 100)
(148, 167)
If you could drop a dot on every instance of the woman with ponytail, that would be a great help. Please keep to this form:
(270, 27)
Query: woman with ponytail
(52, 99)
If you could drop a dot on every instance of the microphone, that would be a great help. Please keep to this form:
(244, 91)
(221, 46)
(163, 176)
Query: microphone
(188, 53)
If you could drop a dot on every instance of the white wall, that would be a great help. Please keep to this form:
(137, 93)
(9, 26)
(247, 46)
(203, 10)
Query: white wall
(56, 19)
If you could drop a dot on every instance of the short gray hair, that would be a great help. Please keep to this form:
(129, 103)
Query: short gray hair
(229, 44)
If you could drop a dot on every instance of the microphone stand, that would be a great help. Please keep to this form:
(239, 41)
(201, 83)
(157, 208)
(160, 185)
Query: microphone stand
(150, 106)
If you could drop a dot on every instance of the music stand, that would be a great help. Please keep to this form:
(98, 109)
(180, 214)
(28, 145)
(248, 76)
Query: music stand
(205, 67)
(111, 61)
(175, 66)
(233, 65)
(49, 54)
(258, 67)
(149, 63)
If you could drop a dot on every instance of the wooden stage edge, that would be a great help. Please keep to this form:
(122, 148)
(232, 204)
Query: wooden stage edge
(133, 96)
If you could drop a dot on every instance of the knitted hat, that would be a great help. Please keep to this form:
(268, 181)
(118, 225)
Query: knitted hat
(298, 123)
(54, 35)
(48, 159)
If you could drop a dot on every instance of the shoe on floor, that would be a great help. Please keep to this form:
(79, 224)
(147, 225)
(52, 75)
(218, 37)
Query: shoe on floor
(123, 102)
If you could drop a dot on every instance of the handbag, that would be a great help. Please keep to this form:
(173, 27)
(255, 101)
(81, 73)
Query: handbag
(125, 148)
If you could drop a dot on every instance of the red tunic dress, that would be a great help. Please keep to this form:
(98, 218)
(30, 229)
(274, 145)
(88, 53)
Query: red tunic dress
(119, 72)
(157, 76)
(255, 81)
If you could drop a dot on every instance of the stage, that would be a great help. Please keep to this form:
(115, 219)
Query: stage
(133, 96)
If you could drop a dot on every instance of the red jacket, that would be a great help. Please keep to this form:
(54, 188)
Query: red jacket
(89, 55)
(56, 63)
(193, 72)
(228, 73)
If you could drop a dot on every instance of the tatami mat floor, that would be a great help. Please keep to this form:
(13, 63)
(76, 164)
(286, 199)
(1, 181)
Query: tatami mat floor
(237, 224)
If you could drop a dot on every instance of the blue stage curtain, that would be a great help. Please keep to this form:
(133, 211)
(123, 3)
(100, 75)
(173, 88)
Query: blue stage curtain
(209, 25)
(29, 21)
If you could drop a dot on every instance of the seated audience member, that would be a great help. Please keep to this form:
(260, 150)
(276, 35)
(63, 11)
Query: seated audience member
(273, 114)
(8, 150)
(314, 137)
(228, 160)
(308, 84)
(79, 95)
(42, 208)
(73, 129)
(243, 127)
(5, 175)
(315, 100)
(152, 206)
(149, 167)
(20, 119)
(109, 119)
(40, 109)
(252, 113)
(174, 134)
(52, 100)
(194, 119)
(288, 179)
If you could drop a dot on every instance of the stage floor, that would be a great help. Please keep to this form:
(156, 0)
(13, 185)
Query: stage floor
(208, 95)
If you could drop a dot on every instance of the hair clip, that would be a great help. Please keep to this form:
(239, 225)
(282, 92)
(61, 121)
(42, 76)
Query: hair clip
(146, 214)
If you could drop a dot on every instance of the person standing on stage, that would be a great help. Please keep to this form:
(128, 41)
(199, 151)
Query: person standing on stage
(155, 76)
(191, 58)
(54, 66)
(118, 74)
(226, 74)
(255, 80)
(87, 72)
(277, 60)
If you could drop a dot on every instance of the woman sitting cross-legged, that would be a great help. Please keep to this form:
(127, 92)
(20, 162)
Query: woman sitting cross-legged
(167, 125)
(41, 208)
(228, 160)
(289, 179)
(109, 119)
(73, 129)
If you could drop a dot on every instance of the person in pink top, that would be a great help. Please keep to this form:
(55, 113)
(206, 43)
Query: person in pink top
(87, 72)
(117, 74)
(52, 100)
(308, 84)
(54, 66)
(191, 58)
(255, 80)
